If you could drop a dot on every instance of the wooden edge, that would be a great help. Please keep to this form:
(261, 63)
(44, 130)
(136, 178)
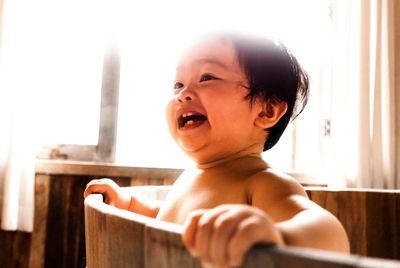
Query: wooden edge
(165, 239)
(167, 227)
(364, 190)
(169, 234)
(305, 257)
(55, 167)
(95, 201)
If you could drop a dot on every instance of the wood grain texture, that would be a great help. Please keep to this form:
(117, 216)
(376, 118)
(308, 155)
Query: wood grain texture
(14, 249)
(65, 225)
(105, 170)
(162, 246)
(58, 237)
(37, 249)
(383, 224)
(371, 218)
(109, 238)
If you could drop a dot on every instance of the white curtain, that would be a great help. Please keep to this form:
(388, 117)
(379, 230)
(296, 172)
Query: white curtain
(17, 171)
(361, 149)
(17, 134)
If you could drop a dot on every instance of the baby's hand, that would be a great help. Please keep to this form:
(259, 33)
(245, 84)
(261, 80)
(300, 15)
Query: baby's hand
(113, 194)
(221, 237)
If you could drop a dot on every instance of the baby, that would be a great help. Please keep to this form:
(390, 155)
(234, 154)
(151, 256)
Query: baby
(232, 98)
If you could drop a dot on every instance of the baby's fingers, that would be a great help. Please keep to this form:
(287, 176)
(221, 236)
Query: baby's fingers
(106, 187)
(205, 233)
(93, 187)
(224, 227)
(190, 228)
(249, 232)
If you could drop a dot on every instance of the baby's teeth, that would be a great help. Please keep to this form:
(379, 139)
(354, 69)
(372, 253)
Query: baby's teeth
(186, 115)
(189, 122)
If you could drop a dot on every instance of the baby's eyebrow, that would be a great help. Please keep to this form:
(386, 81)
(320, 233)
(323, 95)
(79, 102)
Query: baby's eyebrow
(207, 61)
(213, 61)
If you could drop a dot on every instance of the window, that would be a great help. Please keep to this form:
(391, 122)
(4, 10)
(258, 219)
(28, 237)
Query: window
(54, 51)
(59, 46)
(149, 54)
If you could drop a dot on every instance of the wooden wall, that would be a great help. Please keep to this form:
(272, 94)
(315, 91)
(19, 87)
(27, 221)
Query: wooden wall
(58, 237)
(396, 25)
(371, 218)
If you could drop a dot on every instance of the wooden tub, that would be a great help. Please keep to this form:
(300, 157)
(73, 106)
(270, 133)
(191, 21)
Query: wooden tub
(117, 238)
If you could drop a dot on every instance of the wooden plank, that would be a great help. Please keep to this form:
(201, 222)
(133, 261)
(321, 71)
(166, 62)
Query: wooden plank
(14, 249)
(64, 235)
(105, 170)
(350, 209)
(383, 224)
(56, 222)
(114, 238)
(371, 218)
(352, 213)
(109, 106)
(273, 256)
(37, 247)
(94, 233)
(65, 244)
(163, 247)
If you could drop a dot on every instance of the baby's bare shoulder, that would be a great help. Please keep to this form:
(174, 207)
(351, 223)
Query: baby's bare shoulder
(272, 182)
(278, 194)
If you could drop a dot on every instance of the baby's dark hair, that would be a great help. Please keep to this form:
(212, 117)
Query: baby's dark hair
(274, 75)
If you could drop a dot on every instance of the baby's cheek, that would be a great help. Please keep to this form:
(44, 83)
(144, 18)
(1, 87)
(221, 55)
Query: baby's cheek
(168, 107)
(169, 112)
(170, 117)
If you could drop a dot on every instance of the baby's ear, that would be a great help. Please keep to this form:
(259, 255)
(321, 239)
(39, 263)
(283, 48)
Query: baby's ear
(270, 114)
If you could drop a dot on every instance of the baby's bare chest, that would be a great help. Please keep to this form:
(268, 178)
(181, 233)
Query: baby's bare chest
(180, 202)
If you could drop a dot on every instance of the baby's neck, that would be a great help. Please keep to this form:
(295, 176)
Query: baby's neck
(233, 161)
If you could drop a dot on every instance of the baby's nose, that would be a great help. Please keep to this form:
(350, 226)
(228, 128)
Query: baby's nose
(185, 95)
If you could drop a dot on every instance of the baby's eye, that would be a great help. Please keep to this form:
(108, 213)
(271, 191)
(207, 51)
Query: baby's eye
(178, 85)
(207, 77)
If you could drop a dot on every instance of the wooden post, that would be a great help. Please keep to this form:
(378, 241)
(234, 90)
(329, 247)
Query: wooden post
(109, 106)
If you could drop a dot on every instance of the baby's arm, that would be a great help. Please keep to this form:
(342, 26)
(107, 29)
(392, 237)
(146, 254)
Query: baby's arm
(312, 227)
(283, 216)
(121, 198)
(300, 221)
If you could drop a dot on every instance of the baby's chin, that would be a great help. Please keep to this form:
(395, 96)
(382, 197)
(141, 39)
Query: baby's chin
(204, 159)
(198, 154)
(190, 150)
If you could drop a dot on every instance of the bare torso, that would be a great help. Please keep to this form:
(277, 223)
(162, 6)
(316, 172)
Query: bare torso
(230, 183)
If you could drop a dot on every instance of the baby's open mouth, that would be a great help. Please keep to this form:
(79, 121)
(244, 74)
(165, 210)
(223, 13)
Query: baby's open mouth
(191, 120)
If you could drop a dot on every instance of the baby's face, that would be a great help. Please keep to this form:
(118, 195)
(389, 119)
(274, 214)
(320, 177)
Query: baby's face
(209, 116)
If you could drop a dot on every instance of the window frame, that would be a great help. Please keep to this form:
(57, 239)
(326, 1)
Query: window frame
(105, 149)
